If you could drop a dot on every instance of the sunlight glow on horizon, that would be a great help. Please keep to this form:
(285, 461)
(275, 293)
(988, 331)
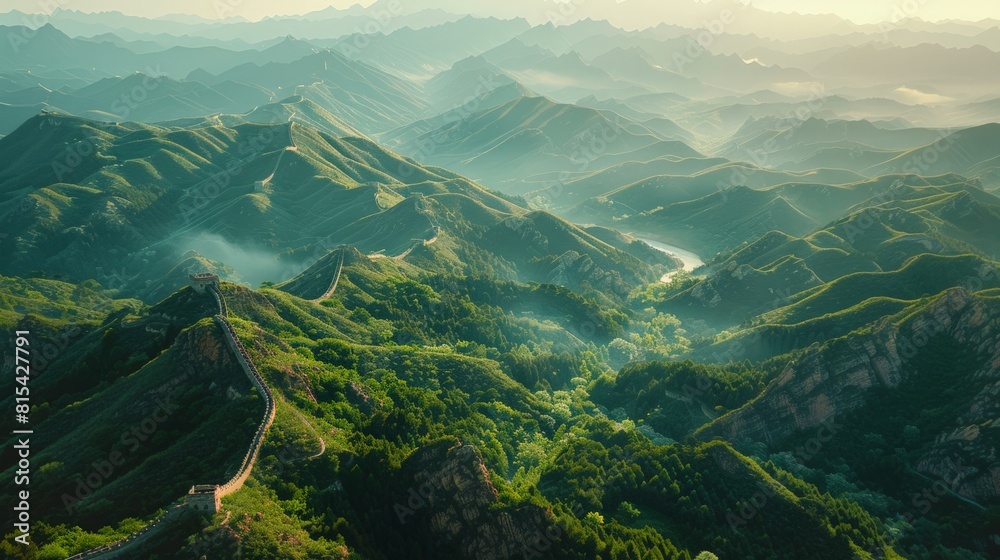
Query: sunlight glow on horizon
(876, 11)
(858, 11)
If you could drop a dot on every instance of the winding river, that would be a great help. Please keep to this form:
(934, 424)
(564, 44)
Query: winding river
(690, 260)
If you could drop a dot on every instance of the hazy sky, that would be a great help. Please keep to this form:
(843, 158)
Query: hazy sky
(863, 11)
(871, 11)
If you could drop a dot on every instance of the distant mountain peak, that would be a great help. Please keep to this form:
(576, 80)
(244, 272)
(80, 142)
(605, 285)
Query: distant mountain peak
(572, 56)
(629, 54)
(49, 30)
(475, 62)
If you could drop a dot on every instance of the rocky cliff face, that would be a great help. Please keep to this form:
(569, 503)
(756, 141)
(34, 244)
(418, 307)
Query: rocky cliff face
(831, 380)
(454, 504)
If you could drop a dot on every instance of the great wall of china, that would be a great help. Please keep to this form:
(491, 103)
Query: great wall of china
(202, 495)
(336, 276)
(250, 369)
(205, 497)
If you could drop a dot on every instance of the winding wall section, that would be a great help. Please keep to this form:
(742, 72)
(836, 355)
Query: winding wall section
(119, 549)
(336, 277)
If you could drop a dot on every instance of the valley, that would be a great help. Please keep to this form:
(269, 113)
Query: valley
(430, 279)
(688, 260)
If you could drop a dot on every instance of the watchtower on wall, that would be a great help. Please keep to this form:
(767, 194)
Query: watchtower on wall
(204, 498)
(202, 282)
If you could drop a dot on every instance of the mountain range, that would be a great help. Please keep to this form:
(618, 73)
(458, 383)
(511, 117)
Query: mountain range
(440, 279)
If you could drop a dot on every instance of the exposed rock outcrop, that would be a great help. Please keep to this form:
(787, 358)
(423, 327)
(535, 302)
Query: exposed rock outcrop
(836, 378)
(453, 500)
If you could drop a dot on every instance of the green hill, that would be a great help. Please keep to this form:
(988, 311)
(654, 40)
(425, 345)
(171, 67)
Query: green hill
(814, 139)
(473, 82)
(928, 367)
(263, 197)
(450, 280)
(526, 136)
(724, 219)
(145, 98)
(381, 411)
(922, 275)
(963, 152)
(738, 292)
(300, 110)
(705, 213)
(884, 232)
(368, 98)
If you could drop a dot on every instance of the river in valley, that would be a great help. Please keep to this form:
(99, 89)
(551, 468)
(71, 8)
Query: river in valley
(690, 260)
